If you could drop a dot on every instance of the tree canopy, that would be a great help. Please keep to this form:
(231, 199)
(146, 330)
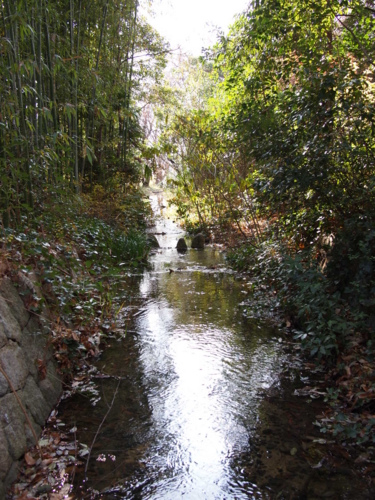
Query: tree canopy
(283, 148)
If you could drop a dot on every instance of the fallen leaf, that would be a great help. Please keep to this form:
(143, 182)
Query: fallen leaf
(43, 442)
(63, 493)
(363, 457)
(29, 459)
(46, 462)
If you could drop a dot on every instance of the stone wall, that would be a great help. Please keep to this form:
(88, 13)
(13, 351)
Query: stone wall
(23, 349)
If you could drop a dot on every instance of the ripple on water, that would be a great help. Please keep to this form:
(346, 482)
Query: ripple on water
(192, 369)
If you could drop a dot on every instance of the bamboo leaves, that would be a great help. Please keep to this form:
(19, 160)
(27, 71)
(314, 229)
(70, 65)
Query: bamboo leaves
(66, 99)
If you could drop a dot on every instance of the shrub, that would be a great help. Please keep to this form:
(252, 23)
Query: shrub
(319, 310)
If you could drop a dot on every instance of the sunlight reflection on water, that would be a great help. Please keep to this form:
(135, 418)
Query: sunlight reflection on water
(189, 401)
(202, 415)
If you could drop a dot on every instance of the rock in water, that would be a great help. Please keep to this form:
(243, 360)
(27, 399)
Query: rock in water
(198, 241)
(152, 241)
(181, 245)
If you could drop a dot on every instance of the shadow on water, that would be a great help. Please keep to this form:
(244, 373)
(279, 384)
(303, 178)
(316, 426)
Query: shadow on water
(190, 418)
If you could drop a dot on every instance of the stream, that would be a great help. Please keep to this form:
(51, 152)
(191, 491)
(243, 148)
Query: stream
(186, 415)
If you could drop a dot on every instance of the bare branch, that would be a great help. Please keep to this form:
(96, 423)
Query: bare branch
(100, 426)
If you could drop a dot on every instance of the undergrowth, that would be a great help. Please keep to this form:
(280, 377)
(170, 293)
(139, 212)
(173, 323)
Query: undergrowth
(328, 309)
(71, 254)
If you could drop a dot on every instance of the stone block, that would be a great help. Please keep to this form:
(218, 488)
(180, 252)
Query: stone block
(30, 439)
(12, 421)
(51, 386)
(181, 245)
(12, 475)
(4, 386)
(34, 347)
(5, 458)
(10, 325)
(3, 337)
(198, 241)
(33, 400)
(33, 326)
(30, 282)
(2, 490)
(23, 341)
(14, 301)
(14, 364)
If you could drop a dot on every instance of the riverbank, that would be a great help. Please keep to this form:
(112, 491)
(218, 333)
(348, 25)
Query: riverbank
(105, 428)
(292, 458)
(333, 335)
(70, 251)
(335, 395)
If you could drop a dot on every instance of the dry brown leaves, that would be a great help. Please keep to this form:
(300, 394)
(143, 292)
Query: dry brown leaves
(49, 476)
(355, 377)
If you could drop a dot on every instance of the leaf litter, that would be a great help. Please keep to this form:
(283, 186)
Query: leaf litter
(72, 271)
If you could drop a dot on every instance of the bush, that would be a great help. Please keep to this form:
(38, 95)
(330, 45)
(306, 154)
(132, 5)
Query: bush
(132, 246)
(318, 309)
(73, 253)
(351, 266)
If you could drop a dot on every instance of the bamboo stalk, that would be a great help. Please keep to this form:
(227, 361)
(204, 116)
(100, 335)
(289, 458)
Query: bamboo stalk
(22, 119)
(129, 88)
(50, 70)
(90, 127)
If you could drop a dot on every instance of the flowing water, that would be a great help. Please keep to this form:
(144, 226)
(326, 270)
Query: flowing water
(186, 383)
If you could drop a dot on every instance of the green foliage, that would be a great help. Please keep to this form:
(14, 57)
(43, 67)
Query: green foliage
(70, 90)
(283, 149)
(321, 315)
(132, 246)
(242, 259)
(352, 262)
(353, 428)
(74, 255)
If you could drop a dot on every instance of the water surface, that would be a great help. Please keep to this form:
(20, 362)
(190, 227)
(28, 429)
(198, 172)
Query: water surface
(189, 375)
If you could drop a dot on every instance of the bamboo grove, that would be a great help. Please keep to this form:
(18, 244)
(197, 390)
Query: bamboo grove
(73, 77)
